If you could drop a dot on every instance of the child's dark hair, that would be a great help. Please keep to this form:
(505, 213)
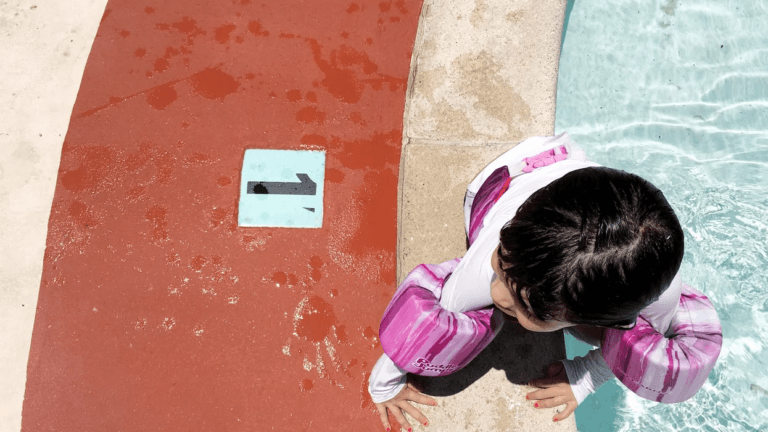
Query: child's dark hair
(593, 247)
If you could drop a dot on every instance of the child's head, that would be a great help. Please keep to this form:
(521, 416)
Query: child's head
(593, 247)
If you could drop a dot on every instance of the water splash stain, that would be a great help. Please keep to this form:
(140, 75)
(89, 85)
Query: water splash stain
(160, 65)
(280, 279)
(107, 12)
(342, 72)
(310, 115)
(255, 28)
(358, 154)
(313, 319)
(82, 215)
(93, 170)
(173, 52)
(198, 263)
(341, 333)
(354, 7)
(306, 384)
(293, 95)
(314, 140)
(188, 26)
(341, 83)
(400, 5)
(315, 264)
(212, 83)
(161, 97)
(140, 52)
(377, 202)
(222, 33)
(365, 398)
(149, 10)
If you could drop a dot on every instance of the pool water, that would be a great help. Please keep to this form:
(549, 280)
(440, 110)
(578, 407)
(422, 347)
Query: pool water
(677, 91)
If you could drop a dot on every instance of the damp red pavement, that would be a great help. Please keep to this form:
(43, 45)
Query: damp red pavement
(156, 311)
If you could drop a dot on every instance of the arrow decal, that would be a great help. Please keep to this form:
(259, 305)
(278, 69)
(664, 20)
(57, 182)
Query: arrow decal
(305, 187)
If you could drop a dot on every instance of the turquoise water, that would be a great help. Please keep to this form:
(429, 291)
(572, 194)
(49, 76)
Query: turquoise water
(677, 92)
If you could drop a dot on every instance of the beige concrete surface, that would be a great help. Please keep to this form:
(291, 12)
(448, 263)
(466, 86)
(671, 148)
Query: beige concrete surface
(484, 70)
(483, 78)
(43, 47)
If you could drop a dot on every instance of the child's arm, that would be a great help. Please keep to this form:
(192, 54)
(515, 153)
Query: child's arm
(421, 336)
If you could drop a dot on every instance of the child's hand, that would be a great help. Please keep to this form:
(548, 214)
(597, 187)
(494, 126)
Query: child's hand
(554, 390)
(402, 402)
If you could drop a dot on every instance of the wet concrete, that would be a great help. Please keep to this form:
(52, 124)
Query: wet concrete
(156, 311)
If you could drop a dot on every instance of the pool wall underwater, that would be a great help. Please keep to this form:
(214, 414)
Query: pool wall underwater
(676, 91)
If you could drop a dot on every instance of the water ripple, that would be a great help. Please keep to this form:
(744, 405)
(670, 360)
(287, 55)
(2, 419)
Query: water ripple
(682, 99)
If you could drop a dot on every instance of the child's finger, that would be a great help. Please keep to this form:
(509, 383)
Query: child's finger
(401, 419)
(383, 416)
(542, 394)
(421, 398)
(551, 402)
(416, 414)
(562, 415)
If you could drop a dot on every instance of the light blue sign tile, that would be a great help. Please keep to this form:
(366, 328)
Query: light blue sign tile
(282, 188)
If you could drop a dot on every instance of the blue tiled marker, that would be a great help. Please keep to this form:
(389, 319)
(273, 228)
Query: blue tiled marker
(282, 188)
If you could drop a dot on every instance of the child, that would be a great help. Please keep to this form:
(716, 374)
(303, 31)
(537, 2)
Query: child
(556, 242)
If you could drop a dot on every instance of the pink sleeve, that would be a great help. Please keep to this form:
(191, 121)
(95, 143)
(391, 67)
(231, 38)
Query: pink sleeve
(423, 338)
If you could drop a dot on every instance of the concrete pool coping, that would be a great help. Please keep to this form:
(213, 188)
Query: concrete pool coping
(483, 78)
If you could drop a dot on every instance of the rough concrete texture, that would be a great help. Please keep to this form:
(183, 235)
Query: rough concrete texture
(483, 77)
(485, 70)
(43, 47)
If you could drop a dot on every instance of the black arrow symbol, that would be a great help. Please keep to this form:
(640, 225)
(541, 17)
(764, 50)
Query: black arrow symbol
(305, 187)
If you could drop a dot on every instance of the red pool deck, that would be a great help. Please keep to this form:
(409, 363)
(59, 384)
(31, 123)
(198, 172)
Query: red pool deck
(156, 311)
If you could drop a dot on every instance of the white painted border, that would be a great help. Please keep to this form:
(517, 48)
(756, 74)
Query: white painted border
(43, 50)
